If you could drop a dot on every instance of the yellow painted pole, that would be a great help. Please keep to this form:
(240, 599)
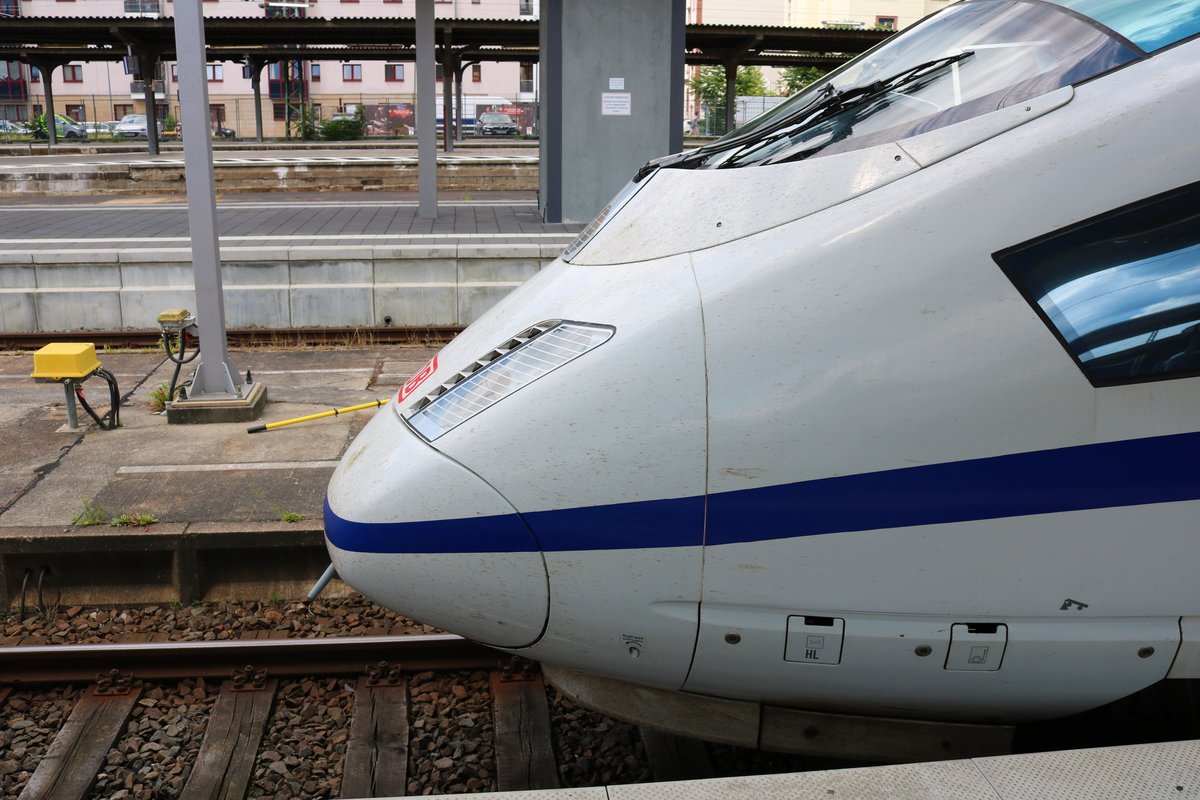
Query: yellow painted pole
(270, 426)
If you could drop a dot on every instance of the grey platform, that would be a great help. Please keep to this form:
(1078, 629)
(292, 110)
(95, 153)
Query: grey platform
(1160, 771)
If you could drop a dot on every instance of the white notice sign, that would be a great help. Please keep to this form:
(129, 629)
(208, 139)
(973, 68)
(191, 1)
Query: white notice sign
(616, 104)
(616, 84)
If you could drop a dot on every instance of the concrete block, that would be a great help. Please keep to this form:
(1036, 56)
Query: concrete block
(18, 276)
(443, 271)
(16, 257)
(156, 255)
(493, 270)
(73, 310)
(140, 306)
(18, 312)
(259, 307)
(499, 251)
(416, 305)
(326, 253)
(473, 301)
(255, 253)
(75, 256)
(157, 275)
(76, 275)
(255, 273)
(324, 273)
(416, 251)
(332, 306)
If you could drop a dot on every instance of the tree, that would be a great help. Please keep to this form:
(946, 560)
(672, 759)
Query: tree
(709, 84)
(793, 79)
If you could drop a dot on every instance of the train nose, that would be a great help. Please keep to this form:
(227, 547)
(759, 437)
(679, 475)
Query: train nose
(417, 532)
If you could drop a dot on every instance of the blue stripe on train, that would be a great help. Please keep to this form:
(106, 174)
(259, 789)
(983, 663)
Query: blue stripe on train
(1161, 469)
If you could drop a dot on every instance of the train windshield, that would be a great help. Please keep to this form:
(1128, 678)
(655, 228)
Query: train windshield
(974, 57)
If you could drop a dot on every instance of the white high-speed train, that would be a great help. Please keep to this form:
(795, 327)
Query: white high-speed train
(885, 405)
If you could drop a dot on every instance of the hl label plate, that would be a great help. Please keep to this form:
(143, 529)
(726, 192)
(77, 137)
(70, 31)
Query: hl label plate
(814, 640)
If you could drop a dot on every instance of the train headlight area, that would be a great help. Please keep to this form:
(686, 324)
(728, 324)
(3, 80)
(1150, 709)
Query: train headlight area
(72, 363)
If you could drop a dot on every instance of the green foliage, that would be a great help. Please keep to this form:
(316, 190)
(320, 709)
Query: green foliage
(38, 127)
(793, 79)
(90, 515)
(340, 130)
(131, 520)
(291, 516)
(158, 398)
(169, 123)
(709, 84)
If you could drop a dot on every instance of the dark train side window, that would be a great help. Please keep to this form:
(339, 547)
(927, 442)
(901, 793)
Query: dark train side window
(1120, 291)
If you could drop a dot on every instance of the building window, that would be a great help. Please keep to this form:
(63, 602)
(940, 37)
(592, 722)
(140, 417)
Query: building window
(476, 73)
(1121, 291)
(279, 111)
(526, 8)
(174, 73)
(215, 72)
(122, 109)
(73, 73)
(393, 72)
(437, 72)
(35, 75)
(10, 8)
(352, 72)
(77, 112)
(316, 73)
(216, 115)
(10, 70)
(393, 1)
(886, 23)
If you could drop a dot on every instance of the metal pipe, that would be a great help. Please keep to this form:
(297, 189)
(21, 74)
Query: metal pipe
(319, 415)
(329, 574)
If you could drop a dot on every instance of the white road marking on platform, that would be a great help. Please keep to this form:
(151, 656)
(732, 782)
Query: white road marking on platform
(256, 465)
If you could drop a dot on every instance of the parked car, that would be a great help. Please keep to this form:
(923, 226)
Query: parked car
(64, 128)
(99, 128)
(495, 123)
(221, 132)
(9, 128)
(133, 126)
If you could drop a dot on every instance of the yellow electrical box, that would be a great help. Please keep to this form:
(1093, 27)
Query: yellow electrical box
(65, 360)
(173, 316)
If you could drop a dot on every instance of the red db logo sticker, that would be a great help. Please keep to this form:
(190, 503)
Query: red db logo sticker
(416, 380)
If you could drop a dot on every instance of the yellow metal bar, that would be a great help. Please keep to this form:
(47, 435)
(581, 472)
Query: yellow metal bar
(270, 426)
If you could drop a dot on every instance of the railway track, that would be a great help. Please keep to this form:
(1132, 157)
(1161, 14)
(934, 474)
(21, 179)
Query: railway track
(110, 739)
(243, 337)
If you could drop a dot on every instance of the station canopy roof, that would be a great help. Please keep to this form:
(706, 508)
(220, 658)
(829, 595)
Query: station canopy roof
(67, 39)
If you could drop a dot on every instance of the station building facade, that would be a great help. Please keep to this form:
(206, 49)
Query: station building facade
(105, 91)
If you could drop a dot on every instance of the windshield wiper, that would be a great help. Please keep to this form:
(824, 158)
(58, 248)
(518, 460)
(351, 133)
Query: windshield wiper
(828, 102)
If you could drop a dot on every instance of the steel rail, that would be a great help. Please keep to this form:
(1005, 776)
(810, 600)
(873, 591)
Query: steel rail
(277, 657)
(244, 337)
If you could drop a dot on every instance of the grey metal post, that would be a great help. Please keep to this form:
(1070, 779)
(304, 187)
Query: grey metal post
(146, 64)
(426, 114)
(256, 68)
(47, 69)
(448, 65)
(72, 417)
(215, 375)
